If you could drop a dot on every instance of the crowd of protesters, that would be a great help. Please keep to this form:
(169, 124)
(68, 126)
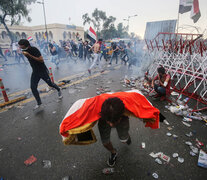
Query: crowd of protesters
(110, 51)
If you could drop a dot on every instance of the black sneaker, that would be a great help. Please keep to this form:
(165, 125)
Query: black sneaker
(112, 159)
(129, 141)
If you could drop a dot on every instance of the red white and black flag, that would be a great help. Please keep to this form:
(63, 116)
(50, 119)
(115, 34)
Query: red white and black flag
(190, 5)
(92, 35)
(195, 11)
(185, 6)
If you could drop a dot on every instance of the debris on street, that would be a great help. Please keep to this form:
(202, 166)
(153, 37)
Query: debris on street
(158, 161)
(202, 159)
(160, 155)
(30, 160)
(47, 164)
(67, 178)
(155, 175)
(108, 171)
(166, 122)
(175, 155)
(143, 145)
(180, 160)
(169, 134)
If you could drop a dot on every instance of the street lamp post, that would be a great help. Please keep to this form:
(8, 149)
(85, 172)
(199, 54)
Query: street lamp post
(128, 20)
(43, 4)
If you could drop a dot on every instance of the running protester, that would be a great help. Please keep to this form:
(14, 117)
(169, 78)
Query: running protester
(96, 49)
(115, 49)
(39, 68)
(54, 55)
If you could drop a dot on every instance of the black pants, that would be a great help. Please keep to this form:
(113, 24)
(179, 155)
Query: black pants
(87, 55)
(35, 78)
(1, 53)
(160, 90)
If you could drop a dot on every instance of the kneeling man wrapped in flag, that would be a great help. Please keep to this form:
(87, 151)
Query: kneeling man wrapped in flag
(76, 127)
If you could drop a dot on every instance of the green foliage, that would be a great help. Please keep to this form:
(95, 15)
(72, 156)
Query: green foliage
(86, 19)
(12, 12)
(105, 26)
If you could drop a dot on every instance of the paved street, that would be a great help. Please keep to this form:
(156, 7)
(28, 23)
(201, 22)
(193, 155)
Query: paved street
(16, 76)
(24, 132)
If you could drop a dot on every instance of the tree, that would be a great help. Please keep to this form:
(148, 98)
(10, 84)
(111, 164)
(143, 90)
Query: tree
(97, 18)
(132, 34)
(12, 11)
(86, 19)
(104, 26)
(108, 22)
(122, 31)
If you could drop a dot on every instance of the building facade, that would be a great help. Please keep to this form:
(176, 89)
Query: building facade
(55, 31)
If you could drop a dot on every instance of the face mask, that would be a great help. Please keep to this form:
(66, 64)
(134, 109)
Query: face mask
(24, 49)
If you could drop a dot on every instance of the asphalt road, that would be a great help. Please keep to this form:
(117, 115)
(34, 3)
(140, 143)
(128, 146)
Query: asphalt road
(16, 76)
(24, 132)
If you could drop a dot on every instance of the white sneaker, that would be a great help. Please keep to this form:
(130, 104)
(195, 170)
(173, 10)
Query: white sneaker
(60, 95)
(37, 107)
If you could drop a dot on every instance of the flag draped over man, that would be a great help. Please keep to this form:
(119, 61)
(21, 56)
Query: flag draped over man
(84, 114)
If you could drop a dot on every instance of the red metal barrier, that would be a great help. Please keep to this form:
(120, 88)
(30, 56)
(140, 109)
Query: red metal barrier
(168, 47)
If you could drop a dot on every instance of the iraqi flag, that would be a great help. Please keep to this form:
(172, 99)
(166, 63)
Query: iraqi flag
(30, 38)
(195, 11)
(84, 113)
(92, 35)
(190, 5)
(185, 6)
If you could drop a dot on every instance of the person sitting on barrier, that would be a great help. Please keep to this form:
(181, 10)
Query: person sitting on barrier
(163, 88)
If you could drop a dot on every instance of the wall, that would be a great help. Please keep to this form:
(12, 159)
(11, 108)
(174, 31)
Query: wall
(55, 32)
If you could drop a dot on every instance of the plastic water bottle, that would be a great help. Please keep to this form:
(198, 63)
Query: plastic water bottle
(195, 118)
(186, 100)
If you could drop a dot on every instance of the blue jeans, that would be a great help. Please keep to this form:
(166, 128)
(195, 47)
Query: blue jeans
(55, 59)
(160, 90)
(114, 55)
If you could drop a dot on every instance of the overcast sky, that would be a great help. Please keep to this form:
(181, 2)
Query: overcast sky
(59, 11)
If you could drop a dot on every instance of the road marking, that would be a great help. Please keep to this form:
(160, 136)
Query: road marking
(67, 85)
(44, 85)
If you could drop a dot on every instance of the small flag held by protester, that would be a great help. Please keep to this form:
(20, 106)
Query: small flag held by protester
(30, 38)
(92, 35)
